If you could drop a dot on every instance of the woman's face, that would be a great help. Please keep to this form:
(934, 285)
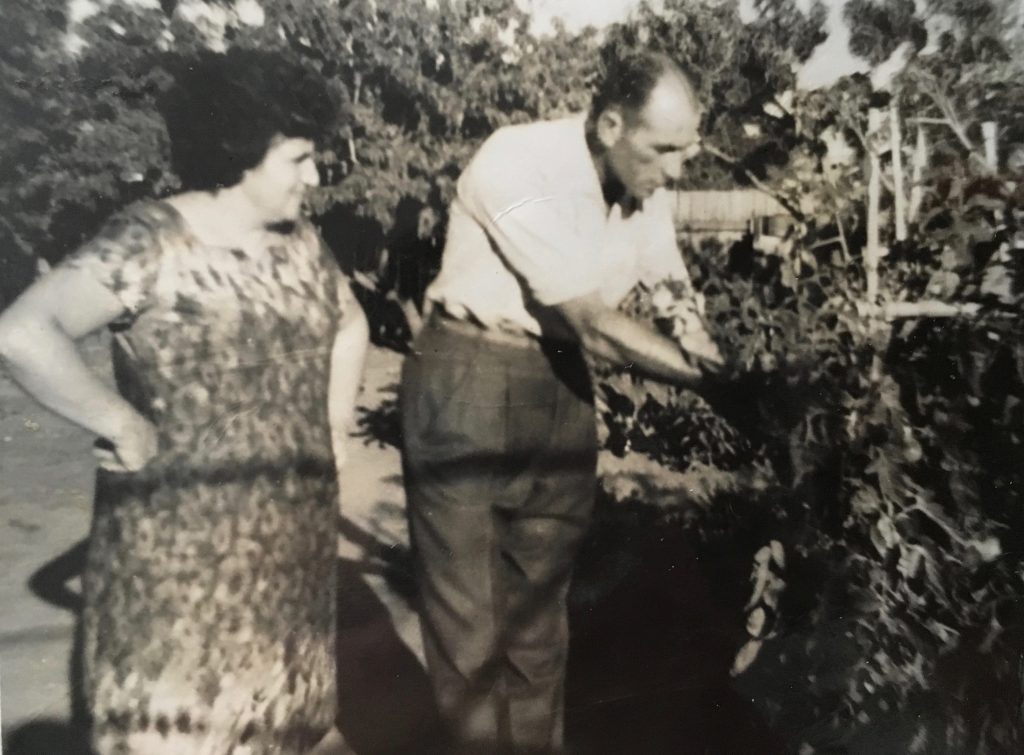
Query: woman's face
(277, 185)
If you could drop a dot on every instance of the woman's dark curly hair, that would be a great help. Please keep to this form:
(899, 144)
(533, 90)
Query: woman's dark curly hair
(224, 110)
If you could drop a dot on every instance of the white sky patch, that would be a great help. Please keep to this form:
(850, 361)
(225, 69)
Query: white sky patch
(936, 24)
(831, 59)
(250, 12)
(838, 150)
(80, 11)
(577, 14)
(883, 74)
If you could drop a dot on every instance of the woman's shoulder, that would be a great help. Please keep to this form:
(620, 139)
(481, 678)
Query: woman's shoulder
(141, 223)
(127, 253)
(155, 214)
(136, 230)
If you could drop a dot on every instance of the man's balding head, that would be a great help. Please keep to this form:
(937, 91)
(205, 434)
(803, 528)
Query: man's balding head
(644, 122)
(628, 83)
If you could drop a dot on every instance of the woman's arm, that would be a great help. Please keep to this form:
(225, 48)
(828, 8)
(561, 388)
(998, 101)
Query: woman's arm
(348, 357)
(37, 334)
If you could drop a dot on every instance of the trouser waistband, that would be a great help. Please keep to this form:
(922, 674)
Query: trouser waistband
(518, 340)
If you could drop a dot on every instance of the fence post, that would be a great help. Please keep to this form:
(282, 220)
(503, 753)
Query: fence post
(920, 162)
(990, 134)
(900, 199)
(872, 250)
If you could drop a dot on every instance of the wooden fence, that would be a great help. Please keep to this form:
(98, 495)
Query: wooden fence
(727, 216)
(737, 210)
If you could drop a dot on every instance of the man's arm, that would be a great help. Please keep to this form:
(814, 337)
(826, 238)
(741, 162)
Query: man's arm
(614, 337)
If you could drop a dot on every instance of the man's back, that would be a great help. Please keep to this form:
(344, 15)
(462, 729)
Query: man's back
(530, 224)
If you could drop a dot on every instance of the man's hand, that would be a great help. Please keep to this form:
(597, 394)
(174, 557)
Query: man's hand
(704, 352)
(682, 311)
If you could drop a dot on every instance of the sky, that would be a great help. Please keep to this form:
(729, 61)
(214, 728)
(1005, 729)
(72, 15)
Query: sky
(830, 60)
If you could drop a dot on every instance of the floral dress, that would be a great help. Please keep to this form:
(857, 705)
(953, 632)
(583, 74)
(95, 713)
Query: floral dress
(209, 616)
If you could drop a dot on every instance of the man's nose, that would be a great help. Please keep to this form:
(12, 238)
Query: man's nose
(672, 167)
(310, 174)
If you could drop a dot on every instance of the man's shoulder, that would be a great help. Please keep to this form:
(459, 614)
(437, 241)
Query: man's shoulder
(543, 143)
(565, 127)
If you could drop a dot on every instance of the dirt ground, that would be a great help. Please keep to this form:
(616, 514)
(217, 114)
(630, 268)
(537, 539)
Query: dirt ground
(46, 477)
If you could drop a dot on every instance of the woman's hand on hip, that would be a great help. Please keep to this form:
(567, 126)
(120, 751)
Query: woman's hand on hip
(131, 448)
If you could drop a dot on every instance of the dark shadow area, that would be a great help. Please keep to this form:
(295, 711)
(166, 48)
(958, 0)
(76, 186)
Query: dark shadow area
(381, 424)
(49, 583)
(414, 243)
(651, 648)
(47, 737)
(393, 562)
(390, 267)
(385, 701)
(17, 270)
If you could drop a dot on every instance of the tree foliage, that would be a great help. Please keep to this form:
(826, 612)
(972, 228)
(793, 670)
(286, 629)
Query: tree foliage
(886, 456)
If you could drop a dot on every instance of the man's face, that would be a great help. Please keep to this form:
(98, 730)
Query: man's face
(646, 150)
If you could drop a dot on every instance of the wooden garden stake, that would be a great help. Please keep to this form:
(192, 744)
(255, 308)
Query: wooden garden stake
(920, 162)
(900, 199)
(990, 135)
(872, 250)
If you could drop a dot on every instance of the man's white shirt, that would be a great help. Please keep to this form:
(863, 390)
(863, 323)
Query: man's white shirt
(530, 222)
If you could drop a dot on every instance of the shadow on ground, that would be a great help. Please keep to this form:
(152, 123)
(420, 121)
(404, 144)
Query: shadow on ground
(46, 736)
(381, 424)
(652, 646)
(648, 669)
(49, 583)
(385, 701)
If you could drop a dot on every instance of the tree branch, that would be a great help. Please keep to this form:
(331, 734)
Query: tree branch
(896, 310)
(952, 119)
(757, 182)
(842, 239)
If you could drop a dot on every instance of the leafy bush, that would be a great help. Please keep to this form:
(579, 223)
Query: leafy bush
(885, 456)
(889, 463)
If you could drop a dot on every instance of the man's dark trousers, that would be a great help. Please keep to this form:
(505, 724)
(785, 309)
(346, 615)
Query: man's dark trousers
(499, 457)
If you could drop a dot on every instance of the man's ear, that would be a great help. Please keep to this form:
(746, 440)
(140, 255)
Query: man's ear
(610, 127)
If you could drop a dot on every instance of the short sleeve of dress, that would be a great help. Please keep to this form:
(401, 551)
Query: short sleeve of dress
(124, 257)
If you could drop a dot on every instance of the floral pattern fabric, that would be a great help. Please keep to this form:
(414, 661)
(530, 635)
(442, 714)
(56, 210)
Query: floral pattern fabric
(210, 607)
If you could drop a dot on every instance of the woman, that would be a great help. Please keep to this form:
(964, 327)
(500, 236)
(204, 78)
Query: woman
(209, 603)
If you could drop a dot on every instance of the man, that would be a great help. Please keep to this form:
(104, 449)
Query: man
(554, 223)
